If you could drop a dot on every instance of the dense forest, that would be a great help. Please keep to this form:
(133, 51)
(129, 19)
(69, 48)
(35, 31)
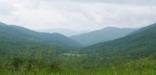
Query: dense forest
(26, 52)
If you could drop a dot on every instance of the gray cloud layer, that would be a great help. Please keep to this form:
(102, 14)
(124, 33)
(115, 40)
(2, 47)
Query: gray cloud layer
(141, 2)
(78, 15)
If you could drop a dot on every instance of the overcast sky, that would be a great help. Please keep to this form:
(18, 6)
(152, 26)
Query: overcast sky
(77, 15)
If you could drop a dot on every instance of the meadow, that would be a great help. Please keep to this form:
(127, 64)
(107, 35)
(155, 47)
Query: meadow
(146, 66)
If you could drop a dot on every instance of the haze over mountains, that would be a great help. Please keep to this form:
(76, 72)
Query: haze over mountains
(65, 32)
(84, 39)
(110, 41)
(105, 34)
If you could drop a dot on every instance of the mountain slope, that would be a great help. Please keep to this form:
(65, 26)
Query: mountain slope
(106, 34)
(20, 33)
(141, 43)
(66, 32)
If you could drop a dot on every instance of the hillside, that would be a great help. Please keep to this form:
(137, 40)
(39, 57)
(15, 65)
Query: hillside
(106, 34)
(141, 43)
(15, 33)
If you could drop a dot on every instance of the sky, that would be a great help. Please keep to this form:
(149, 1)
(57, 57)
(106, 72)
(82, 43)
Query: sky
(77, 16)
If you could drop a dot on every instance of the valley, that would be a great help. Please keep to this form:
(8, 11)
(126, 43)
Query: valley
(27, 52)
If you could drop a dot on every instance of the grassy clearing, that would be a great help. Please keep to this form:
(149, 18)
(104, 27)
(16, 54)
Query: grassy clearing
(74, 66)
(112, 71)
(139, 67)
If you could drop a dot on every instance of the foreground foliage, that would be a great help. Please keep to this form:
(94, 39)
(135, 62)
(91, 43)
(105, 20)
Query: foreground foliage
(145, 66)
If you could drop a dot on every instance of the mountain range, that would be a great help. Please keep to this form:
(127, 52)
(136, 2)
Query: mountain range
(102, 35)
(115, 42)
(139, 44)
(16, 33)
(66, 32)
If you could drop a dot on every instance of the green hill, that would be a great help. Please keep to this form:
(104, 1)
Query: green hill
(19, 33)
(139, 44)
(14, 40)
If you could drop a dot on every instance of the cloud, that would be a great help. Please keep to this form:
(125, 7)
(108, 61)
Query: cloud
(6, 8)
(77, 15)
(136, 2)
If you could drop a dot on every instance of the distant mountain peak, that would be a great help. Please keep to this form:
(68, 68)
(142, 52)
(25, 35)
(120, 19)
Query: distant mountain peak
(55, 33)
(111, 27)
(105, 34)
